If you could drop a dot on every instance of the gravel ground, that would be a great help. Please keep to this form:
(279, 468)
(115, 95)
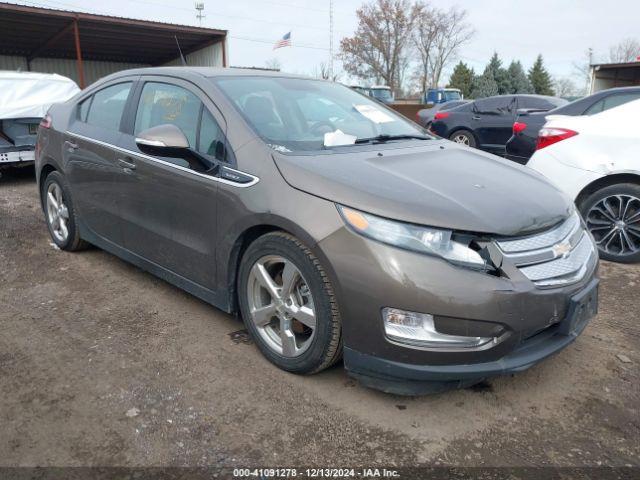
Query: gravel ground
(102, 364)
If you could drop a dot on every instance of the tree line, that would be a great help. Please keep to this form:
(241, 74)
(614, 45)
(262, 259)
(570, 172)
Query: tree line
(395, 38)
(401, 42)
(498, 80)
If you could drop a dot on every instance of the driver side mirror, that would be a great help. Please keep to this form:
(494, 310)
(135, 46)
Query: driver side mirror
(167, 140)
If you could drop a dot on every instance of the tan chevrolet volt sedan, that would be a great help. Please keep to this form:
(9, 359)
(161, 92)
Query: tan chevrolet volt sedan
(334, 226)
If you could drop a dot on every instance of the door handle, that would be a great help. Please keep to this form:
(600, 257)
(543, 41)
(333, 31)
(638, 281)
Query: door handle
(72, 147)
(126, 165)
(475, 117)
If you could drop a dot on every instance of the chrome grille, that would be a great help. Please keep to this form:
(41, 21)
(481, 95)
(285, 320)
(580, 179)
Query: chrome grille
(560, 256)
(546, 239)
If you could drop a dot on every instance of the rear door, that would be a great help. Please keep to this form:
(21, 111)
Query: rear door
(168, 207)
(91, 160)
(492, 121)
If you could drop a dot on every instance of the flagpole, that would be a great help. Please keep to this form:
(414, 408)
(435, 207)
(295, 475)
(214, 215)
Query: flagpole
(330, 39)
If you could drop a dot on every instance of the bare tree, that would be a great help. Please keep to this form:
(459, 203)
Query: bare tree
(322, 71)
(628, 50)
(438, 36)
(565, 87)
(380, 48)
(273, 64)
(582, 70)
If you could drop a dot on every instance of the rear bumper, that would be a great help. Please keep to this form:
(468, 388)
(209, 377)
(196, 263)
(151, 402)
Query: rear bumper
(411, 379)
(17, 157)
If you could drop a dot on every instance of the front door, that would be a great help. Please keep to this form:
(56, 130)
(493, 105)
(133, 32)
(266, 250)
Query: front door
(91, 160)
(168, 206)
(493, 122)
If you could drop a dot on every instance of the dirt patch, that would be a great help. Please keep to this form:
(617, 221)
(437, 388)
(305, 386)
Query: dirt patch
(103, 364)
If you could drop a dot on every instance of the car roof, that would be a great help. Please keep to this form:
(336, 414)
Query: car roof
(207, 72)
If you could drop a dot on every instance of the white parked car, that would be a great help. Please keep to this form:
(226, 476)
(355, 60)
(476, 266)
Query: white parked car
(596, 161)
(25, 98)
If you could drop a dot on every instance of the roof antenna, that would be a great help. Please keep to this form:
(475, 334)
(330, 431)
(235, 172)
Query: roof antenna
(184, 62)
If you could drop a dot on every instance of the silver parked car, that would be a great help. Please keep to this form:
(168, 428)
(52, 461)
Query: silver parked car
(334, 226)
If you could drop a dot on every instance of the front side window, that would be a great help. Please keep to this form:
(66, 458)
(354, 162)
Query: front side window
(83, 109)
(108, 104)
(452, 95)
(293, 114)
(211, 140)
(162, 103)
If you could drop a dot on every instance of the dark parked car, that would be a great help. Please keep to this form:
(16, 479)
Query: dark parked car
(525, 129)
(352, 233)
(487, 123)
(425, 116)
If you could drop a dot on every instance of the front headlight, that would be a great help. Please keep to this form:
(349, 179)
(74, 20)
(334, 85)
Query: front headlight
(431, 241)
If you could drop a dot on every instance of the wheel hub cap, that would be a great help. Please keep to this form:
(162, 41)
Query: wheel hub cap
(614, 223)
(281, 305)
(57, 212)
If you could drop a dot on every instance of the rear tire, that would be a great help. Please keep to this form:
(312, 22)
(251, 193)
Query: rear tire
(288, 304)
(463, 137)
(612, 215)
(60, 214)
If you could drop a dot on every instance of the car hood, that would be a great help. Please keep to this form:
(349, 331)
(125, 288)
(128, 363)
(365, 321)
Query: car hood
(441, 185)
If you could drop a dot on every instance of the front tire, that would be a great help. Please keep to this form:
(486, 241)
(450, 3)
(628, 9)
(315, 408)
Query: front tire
(463, 137)
(288, 304)
(60, 214)
(612, 215)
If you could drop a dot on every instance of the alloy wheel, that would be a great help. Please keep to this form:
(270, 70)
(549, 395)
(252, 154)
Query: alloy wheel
(57, 213)
(463, 139)
(614, 223)
(281, 305)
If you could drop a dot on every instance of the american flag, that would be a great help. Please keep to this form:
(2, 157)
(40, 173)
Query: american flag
(284, 41)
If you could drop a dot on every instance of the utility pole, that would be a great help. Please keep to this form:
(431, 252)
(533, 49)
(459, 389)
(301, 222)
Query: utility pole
(330, 39)
(199, 10)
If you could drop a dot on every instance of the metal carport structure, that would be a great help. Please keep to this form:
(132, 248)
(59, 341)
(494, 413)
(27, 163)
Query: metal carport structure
(610, 75)
(48, 40)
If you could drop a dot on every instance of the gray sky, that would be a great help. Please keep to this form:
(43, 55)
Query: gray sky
(560, 30)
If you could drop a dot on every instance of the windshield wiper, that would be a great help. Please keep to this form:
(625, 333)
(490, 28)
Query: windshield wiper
(382, 138)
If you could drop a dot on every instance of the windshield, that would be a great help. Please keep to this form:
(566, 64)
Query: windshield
(381, 93)
(450, 95)
(293, 114)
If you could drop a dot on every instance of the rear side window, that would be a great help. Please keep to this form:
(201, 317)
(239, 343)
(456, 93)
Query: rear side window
(619, 99)
(108, 104)
(532, 102)
(595, 108)
(494, 104)
(162, 103)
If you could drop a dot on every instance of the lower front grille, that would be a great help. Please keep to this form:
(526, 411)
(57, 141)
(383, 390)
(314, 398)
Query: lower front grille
(557, 257)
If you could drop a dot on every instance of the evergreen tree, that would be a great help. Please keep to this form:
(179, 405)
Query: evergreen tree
(500, 75)
(519, 81)
(540, 78)
(462, 78)
(484, 86)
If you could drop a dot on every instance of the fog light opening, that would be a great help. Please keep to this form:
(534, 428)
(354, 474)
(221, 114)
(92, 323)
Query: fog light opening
(418, 329)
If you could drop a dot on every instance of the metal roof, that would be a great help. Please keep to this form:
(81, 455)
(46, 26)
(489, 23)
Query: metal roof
(600, 66)
(34, 32)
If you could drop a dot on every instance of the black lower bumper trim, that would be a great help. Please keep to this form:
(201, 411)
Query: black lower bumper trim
(410, 379)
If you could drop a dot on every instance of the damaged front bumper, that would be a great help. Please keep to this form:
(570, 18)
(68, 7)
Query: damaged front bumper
(410, 379)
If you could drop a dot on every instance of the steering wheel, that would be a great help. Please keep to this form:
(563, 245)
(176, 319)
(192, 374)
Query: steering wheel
(315, 128)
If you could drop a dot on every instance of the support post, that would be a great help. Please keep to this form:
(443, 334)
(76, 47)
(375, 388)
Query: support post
(224, 51)
(76, 34)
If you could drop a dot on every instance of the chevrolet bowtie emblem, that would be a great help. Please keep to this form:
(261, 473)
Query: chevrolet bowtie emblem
(562, 249)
